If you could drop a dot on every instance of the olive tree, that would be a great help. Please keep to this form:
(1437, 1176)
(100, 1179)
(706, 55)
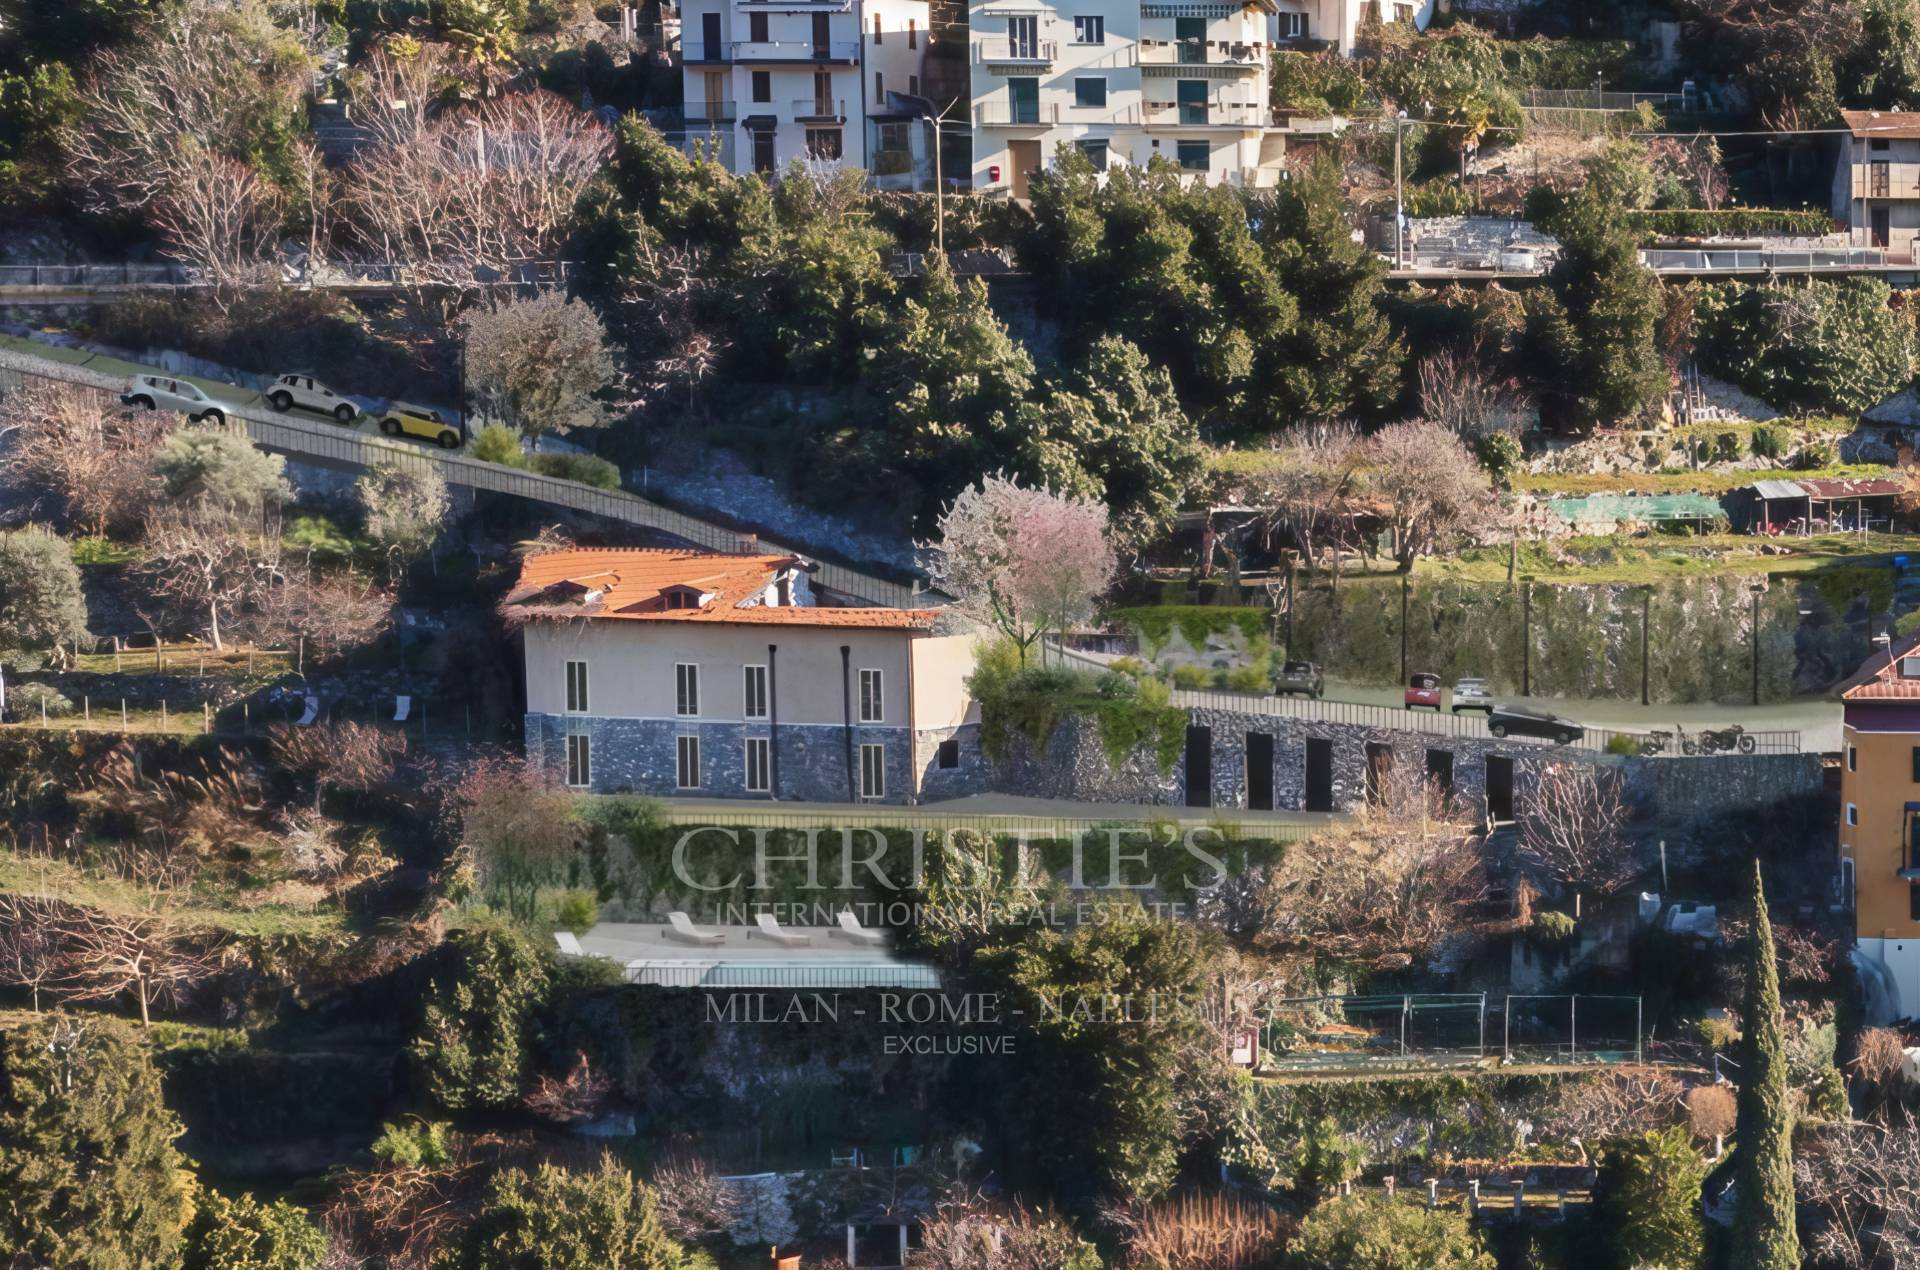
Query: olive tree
(539, 365)
(40, 599)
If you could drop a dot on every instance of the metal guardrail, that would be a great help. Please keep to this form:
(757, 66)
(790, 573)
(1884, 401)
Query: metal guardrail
(330, 443)
(1707, 260)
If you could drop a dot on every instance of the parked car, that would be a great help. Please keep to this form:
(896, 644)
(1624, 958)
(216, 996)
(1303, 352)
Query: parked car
(1300, 676)
(163, 392)
(1471, 694)
(309, 393)
(402, 419)
(1423, 690)
(1523, 721)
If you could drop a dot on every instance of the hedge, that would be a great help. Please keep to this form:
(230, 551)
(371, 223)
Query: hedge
(1729, 221)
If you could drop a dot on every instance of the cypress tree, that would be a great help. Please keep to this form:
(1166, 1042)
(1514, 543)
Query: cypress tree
(1763, 1228)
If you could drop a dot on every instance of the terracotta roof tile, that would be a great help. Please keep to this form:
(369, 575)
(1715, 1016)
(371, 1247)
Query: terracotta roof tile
(632, 584)
(1879, 678)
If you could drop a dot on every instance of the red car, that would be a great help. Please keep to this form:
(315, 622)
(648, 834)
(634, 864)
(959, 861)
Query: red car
(1424, 690)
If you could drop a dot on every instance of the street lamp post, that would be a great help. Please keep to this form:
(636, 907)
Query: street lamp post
(1406, 585)
(1646, 614)
(1526, 634)
(1758, 590)
(1399, 197)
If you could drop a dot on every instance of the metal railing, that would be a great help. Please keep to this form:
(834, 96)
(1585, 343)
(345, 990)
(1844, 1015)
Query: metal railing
(1202, 53)
(326, 275)
(990, 114)
(329, 443)
(819, 108)
(1212, 114)
(1806, 260)
(1024, 52)
(1596, 99)
(793, 50)
(710, 112)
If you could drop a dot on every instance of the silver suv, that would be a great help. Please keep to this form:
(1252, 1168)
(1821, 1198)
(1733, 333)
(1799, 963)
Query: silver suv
(165, 392)
(309, 393)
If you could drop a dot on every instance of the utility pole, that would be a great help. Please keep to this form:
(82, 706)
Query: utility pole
(1399, 197)
(1406, 585)
(940, 184)
(1526, 635)
(1646, 614)
(1758, 590)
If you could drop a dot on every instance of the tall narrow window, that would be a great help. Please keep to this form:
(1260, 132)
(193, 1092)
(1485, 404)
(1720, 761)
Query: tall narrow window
(873, 771)
(757, 28)
(754, 698)
(579, 762)
(759, 765)
(686, 688)
(686, 768)
(576, 687)
(879, 87)
(871, 710)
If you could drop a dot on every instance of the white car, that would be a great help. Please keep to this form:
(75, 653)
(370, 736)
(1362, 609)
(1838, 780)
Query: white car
(309, 393)
(164, 392)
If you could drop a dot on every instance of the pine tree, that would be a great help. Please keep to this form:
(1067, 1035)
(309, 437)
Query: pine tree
(1764, 1237)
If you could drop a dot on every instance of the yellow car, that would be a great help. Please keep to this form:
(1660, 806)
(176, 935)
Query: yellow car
(401, 419)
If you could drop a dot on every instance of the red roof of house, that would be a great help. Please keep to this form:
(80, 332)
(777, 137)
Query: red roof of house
(1893, 125)
(633, 584)
(1879, 679)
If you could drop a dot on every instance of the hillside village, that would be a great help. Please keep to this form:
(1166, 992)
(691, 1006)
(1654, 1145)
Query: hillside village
(886, 633)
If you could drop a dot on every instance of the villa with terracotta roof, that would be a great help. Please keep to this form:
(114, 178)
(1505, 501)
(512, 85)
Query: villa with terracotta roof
(1879, 867)
(683, 672)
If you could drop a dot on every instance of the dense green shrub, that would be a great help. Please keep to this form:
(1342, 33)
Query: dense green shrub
(554, 1219)
(244, 1234)
(40, 598)
(1196, 623)
(1323, 83)
(33, 701)
(1375, 1232)
(1742, 222)
(1769, 441)
(87, 1162)
(1833, 346)
(497, 444)
(1192, 678)
(1501, 455)
(472, 1047)
(588, 469)
(1648, 1196)
(1032, 702)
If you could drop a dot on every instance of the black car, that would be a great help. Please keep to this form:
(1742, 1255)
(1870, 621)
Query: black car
(1522, 721)
(1300, 676)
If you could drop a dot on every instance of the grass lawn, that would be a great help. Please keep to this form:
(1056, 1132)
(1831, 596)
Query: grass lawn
(63, 880)
(1654, 558)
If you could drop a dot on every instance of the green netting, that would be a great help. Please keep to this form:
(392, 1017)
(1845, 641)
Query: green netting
(1640, 507)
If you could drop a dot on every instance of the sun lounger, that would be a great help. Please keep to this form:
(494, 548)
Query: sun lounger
(402, 707)
(767, 928)
(569, 943)
(850, 928)
(312, 713)
(681, 927)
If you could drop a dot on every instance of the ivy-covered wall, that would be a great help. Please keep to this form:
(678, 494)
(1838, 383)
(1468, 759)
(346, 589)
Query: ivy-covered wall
(1585, 641)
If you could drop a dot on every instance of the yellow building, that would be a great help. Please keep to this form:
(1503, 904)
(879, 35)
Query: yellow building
(1879, 813)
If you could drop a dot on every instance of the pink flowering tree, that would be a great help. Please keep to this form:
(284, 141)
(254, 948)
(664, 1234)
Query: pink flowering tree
(1023, 560)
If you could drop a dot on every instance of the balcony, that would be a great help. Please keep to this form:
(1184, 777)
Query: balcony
(798, 6)
(704, 112)
(1052, 114)
(1178, 55)
(1002, 51)
(819, 110)
(829, 51)
(1213, 114)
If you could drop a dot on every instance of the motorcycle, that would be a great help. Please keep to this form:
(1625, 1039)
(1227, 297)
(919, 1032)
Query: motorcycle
(1719, 741)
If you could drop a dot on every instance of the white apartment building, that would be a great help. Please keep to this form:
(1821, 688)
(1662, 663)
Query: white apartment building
(1335, 22)
(1123, 80)
(770, 81)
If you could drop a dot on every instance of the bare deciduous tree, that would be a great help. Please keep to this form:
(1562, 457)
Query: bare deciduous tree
(213, 76)
(354, 757)
(579, 1095)
(1861, 1176)
(1433, 490)
(1587, 1112)
(1307, 487)
(210, 565)
(692, 1200)
(75, 444)
(1573, 829)
(112, 955)
(404, 509)
(1458, 393)
(966, 1231)
(331, 613)
(1378, 891)
(489, 188)
(539, 364)
(221, 217)
(31, 954)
